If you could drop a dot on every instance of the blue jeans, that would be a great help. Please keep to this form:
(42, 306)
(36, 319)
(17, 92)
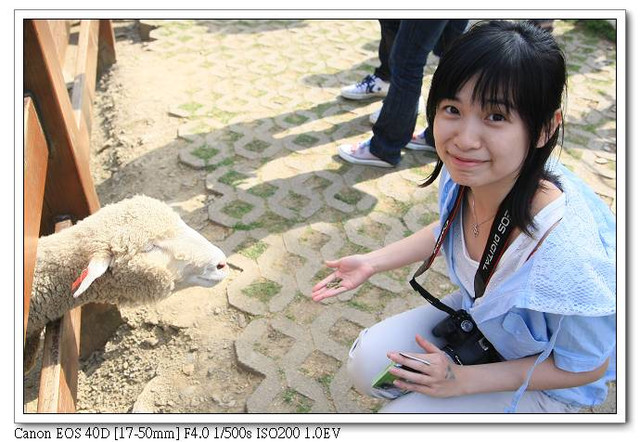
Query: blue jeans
(397, 120)
(388, 31)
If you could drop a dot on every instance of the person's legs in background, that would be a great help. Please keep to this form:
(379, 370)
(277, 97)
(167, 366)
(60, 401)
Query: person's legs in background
(394, 128)
(388, 31)
(453, 30)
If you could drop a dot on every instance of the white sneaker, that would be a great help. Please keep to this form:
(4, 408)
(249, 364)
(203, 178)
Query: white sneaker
(370, 87)
(374, 116)
(360, 154)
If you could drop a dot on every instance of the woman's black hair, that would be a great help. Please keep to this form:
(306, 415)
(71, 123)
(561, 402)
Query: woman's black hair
(514, 62)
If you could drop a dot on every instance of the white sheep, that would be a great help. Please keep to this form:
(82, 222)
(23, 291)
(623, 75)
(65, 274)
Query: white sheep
(135, 251)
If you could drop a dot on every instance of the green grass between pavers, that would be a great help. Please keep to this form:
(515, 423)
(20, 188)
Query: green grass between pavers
(428, 217)
(230, 136)
(273, 222)
(591, 128)
(232, 178)
(263, 289)
(573, 153)
(205, 153)
(191, 107)
(325, 380)
(237, 209)
(301, 403)
(317, 183)
(264, 190)
(579, 58)
(320, 109)
(199, 127)
(252, 248)
(296, 119)
(257, 146)
(360, 306)
(225, 162)
(349, 196)
(220, 115)
(576, 139)
(305, 140)
(574, 68)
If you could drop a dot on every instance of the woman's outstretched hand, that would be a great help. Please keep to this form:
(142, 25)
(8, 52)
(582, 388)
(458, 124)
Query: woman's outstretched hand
(349, 273)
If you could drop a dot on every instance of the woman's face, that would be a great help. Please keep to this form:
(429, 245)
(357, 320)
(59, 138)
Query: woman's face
(480, 147)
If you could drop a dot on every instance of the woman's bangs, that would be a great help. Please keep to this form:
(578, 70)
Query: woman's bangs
(496, 85)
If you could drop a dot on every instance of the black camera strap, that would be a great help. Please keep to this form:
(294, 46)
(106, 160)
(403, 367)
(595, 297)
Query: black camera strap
(495, 247)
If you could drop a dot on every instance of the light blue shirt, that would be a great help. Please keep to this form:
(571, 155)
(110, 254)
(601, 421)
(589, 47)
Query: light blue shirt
(562, 300)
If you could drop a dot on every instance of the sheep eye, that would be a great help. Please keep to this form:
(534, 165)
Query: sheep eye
(149, 247)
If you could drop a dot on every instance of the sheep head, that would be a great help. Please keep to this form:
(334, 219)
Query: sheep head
(148, 250)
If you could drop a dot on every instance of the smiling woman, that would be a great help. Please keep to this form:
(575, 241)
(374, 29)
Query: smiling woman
(515, 88)
(482, 146)
(532, 327)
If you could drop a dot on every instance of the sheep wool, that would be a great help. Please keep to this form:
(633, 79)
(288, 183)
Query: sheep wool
(143, 252)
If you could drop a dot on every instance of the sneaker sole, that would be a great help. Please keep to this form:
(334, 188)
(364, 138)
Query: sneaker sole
(359, 97)
(361, 162)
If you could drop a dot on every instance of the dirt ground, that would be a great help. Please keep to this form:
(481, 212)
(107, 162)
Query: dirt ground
(181, 355)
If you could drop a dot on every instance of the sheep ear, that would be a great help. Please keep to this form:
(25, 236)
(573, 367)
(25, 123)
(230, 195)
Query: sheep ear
(96, 268)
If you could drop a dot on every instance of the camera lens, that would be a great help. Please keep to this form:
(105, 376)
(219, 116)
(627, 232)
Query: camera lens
(466, 325)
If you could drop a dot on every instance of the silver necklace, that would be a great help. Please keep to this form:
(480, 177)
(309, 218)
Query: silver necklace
(475, 226)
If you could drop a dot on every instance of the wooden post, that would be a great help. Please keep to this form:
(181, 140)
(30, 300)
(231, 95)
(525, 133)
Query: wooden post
(84, 82)
(106, 46)
(59, 376)
(36, 156)
(70, 187)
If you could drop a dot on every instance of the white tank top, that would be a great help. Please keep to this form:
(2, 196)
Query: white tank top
(515, 255)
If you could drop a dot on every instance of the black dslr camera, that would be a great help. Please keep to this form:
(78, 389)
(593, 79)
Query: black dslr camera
(466, 344)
